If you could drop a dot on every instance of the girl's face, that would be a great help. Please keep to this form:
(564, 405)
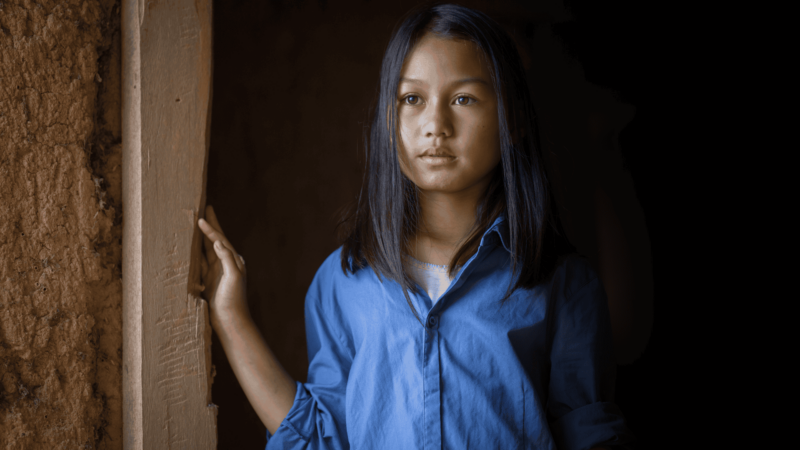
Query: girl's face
(447, 117)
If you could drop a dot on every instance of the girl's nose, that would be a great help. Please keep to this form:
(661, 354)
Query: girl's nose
(437, 121)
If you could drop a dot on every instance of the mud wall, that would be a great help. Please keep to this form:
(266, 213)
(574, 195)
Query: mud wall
(60, 225)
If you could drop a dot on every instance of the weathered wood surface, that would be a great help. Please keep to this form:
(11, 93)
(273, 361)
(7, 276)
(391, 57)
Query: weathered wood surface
(166, 109)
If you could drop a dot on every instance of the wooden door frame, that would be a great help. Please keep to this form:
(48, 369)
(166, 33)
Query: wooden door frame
(166, 112)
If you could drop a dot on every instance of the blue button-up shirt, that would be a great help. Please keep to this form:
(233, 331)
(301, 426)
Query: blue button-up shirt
(481, 377)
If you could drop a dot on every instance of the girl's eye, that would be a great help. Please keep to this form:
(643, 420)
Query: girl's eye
(464, 101)
(412, 99)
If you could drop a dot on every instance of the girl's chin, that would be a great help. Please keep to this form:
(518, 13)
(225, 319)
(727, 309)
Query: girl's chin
(438, 187)
(440, 181)
(450, 183)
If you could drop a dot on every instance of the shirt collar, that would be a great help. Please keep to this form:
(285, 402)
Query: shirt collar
(498, 229)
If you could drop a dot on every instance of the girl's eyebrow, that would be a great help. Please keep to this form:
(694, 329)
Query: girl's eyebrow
(455, 83)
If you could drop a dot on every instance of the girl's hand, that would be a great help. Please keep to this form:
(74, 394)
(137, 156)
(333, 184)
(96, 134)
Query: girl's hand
(223, 273)
(268, 387)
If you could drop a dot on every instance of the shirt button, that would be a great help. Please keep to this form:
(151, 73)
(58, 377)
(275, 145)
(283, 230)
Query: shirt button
(433, 320)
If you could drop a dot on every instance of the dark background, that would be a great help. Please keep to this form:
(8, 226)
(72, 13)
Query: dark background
(293, 83)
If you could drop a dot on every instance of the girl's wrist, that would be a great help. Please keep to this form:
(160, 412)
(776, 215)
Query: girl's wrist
(231, 318)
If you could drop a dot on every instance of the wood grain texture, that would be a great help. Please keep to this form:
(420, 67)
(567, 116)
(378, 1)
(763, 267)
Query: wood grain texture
(166, 107)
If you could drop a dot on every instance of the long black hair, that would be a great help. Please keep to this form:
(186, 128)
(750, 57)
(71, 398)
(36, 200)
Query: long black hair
(376, 230)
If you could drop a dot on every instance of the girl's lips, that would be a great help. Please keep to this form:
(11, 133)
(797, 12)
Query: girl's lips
(437, 151)
(438, 160)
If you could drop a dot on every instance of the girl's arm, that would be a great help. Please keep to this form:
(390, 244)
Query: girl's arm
(580, 406)
(270, 390)
(268, 387)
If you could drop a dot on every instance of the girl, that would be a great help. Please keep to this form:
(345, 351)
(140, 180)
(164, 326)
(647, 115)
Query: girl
(454, 315)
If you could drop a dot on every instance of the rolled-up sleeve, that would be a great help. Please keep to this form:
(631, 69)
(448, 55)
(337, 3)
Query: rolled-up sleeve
(316, 419)
(580, 407)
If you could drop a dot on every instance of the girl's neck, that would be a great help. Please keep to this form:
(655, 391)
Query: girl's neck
(445, 221)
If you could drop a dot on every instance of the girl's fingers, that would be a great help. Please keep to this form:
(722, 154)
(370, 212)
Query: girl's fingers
(208, 244)
(212, 220)
(218, 234)
(229, 266)
(211, 217)
(213, 234)
(240, 264)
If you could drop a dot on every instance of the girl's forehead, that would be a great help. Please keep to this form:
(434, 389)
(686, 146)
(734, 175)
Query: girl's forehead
(434, 57)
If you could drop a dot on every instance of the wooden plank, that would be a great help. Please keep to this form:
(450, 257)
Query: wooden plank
(166, 109)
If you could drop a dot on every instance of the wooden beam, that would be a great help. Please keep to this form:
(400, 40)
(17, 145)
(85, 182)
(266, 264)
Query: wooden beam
(166, 106)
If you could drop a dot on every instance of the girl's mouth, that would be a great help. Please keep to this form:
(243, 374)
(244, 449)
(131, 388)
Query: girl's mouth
(438, 160)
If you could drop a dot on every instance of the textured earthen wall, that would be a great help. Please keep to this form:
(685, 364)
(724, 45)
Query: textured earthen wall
(60, 225)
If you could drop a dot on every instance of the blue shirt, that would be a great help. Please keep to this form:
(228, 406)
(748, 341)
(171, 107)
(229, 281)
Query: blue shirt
(480, 378)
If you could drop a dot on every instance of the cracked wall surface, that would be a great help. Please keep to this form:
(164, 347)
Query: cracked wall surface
(60, 225)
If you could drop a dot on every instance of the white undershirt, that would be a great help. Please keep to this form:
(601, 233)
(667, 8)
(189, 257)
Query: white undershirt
(433, 278)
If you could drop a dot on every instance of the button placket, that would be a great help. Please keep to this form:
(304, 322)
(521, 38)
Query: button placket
(431, 374)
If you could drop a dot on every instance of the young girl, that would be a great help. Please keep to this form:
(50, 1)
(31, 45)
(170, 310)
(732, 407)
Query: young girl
(454, 315)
